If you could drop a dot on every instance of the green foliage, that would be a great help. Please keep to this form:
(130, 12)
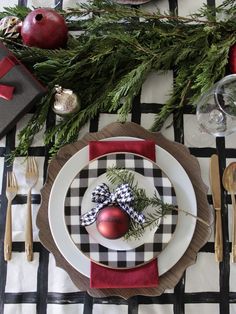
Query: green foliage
(111, 58)
(118, 176)
(18, 11)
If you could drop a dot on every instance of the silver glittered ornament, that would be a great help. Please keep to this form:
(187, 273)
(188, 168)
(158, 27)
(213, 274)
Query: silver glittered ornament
(66, 101)
(10, 26)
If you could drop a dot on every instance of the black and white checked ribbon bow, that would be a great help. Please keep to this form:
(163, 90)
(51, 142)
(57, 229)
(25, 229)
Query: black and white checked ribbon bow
(122, 196)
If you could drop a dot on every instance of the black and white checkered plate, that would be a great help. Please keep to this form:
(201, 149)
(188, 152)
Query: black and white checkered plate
(118, 253)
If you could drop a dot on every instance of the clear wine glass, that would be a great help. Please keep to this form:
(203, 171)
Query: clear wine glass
(215, 112)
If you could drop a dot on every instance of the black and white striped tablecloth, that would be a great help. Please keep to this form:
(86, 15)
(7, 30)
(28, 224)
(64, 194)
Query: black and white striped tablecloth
(41, 287)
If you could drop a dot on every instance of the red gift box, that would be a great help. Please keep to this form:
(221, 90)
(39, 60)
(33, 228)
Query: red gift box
(19, 90)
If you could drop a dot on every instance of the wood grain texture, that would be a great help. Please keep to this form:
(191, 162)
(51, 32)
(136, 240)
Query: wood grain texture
(191, 166)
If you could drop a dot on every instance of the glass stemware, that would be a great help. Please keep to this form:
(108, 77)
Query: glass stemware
(216, 110)
(215, 113)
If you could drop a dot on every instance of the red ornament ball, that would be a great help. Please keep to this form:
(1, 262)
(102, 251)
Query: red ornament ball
(44, 28)
(112, 222)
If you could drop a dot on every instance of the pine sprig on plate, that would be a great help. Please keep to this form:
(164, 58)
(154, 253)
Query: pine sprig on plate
(118, 176)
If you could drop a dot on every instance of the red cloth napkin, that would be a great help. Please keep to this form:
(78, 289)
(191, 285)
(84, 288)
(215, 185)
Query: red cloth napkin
(144, 148)
(143, 276)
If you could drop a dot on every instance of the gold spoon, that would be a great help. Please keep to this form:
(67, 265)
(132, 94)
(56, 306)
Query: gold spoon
(229, 183)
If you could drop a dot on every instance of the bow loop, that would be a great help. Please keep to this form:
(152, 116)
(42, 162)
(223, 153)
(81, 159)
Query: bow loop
(124, 193)
(100, 193)
(122, 196)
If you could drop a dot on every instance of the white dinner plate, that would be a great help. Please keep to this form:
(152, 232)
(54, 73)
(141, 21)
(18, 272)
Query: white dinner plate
(186, 200)
(119, 253)
(78, 201)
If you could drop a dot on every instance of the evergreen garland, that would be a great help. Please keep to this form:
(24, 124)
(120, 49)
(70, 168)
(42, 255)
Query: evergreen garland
(111, 58)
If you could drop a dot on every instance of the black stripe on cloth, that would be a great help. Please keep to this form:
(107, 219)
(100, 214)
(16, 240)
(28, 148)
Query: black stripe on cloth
(42, 275)
(2, 151)
(58, 4)
(202, 297)
(178, 305)
(178, 127)
(133, 305)
(88, 304)
(22, 3)
(232, 297)
(23, 297)
(211, 3)
(208, 247)
(53, 298)
(151, 107)
(37, 151)
(230, 153)
(166, 298)
(202, 152)
(225, 265)
(42, 281)
(111, 300)
(20, 246)
(66, 298)
(93, 127)
(136, 109)
(22, 199)
(179, 293)
(173, 6)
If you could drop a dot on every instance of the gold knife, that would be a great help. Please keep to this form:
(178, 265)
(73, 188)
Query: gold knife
(216, 196)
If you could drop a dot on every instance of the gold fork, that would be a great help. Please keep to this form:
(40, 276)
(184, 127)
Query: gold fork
(11, 191)
(31, 177)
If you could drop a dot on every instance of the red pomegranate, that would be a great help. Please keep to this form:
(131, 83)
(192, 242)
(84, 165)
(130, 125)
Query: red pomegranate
(112, 222)
(44, 28)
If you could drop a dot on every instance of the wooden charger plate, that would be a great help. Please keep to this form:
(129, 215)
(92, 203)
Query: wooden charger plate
(181, 153)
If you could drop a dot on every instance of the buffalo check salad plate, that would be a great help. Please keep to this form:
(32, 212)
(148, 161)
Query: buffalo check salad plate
(119, 253)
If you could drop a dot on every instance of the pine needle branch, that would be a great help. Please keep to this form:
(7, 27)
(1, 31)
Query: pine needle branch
(118, 176)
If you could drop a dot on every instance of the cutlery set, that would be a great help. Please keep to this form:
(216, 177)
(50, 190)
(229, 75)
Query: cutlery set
(229, 184)
(31, 177)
